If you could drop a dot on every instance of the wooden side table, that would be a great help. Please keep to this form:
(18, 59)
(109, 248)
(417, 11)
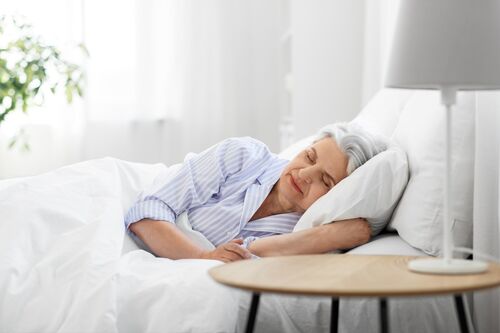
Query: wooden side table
(347, 275)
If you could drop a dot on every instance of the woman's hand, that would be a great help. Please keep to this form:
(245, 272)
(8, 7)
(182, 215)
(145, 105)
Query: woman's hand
(227, 252)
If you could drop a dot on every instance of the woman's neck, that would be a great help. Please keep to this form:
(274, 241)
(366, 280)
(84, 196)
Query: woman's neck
(270, 206)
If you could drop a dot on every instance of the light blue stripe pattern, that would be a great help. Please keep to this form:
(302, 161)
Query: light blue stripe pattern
(220, 188)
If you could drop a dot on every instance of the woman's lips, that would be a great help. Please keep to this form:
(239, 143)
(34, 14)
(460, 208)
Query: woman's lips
(294, 185)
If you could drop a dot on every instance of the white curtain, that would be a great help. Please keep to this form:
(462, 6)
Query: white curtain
(186, 75)
(165, 77)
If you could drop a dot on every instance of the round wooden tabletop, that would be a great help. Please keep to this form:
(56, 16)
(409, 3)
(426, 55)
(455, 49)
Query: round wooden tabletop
(346, 275)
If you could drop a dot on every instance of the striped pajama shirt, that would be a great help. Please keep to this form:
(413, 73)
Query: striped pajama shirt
(220, 189)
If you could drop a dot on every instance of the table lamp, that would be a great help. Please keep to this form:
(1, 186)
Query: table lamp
(447, 45)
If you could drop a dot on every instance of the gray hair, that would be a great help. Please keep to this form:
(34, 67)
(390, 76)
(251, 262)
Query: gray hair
(357, 143)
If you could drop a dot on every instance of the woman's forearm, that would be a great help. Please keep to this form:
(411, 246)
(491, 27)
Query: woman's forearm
(344, 234)
(164, 239)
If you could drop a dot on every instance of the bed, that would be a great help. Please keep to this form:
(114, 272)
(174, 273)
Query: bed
(67, 265)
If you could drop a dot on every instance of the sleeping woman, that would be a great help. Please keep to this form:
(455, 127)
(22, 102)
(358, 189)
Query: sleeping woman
(246, 200)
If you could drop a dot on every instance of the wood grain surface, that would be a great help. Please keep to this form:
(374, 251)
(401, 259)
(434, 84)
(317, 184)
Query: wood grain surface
(346, 275)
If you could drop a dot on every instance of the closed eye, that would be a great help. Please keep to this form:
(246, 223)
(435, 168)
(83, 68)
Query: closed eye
(309, 157)
(326, 183)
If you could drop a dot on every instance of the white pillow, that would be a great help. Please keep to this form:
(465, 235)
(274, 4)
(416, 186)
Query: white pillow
(418, 217)
(371, 191)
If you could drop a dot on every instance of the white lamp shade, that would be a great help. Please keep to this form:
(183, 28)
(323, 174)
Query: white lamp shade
(446, 43)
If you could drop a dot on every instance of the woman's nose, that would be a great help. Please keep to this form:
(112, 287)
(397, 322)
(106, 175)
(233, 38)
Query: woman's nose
(305, 175)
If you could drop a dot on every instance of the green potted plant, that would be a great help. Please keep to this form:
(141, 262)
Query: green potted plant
(30, 69)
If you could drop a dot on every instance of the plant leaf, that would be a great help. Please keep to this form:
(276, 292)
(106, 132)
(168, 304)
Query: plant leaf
(69, 93)
(12, 142)
(84, 49)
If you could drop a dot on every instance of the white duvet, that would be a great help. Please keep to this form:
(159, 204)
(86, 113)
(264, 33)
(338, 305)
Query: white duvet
(62, 268)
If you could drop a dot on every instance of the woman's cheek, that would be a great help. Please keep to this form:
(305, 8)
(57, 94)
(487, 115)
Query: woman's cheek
(312, 197)
(321, 192)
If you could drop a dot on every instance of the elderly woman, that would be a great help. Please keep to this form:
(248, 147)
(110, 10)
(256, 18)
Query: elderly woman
(247, 200)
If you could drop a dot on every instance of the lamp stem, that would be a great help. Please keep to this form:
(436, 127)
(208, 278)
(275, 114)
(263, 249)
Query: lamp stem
(448, 97)
(447, 239)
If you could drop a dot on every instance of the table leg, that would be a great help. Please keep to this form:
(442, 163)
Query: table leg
(253, 312)
(334, 319)
(384, 316)
(459, 304)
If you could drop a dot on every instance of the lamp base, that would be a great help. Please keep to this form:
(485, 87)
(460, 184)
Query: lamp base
(443, 266)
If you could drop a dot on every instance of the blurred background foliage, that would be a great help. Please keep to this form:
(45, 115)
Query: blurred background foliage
(30, 69)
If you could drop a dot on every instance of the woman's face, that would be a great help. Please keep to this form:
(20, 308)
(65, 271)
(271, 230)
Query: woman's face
(311, 174)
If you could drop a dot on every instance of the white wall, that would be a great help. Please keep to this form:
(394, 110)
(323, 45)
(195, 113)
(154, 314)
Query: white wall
(380, 19)
(327, 62)
(486, 203)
